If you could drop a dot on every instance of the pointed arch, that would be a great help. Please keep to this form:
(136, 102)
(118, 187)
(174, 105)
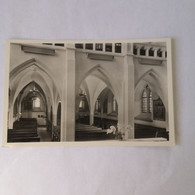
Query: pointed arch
(21, 67)
(155, 82)
(40, 82)
(25, 91)
(25, 73)
(86, 90)
(105, 77)
(30, 64)
(149, 72)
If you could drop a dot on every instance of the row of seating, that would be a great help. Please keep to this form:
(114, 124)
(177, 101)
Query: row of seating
(91, 133)
(145, 131)
(56, 134)
(141, 131)
(83, 120)
(104, 123)
(24, 130)
(54, 131)
(25, 123)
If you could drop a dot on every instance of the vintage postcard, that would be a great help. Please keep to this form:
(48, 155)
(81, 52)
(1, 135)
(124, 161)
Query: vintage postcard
(88, 93)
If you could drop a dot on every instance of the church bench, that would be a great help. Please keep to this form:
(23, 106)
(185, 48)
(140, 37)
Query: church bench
(25, 123)
(93, 135)
(22, 130)
(16, 135)
(146, 131)
(24, 139)
(22, 125)
(104, 123)
(17, 132)
(26, 132)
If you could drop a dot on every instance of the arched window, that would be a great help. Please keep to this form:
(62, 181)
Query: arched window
(151, 52)
(82, 104)
(150, 102)
(105, 106)
(59, 115)
(114, 104)
(159, 110)
(142, 51)
(144, 101)
(147, 100)
(135, 50)
(159, 53)
(97, 105)
(36, 102)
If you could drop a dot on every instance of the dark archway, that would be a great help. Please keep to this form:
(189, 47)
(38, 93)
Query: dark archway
(31, 103)
(59, 115)
(106, 110)
(57, 128)
(82, 110)
(31, 115)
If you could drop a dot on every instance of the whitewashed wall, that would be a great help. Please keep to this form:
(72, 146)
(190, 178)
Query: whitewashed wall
(105, 170)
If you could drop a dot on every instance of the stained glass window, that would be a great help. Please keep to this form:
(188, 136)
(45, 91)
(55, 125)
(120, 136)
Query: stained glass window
(144, 102)
(97, 105)
(147, 100)
(150, 102)
(114, 104)
(82, 104)
(36, 103)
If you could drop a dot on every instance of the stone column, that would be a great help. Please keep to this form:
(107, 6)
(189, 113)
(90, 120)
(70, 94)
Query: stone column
(103, 47)
(130, 48)
(91, 118)
(155, 52)
(113, 47)
(11, 120)
(163, 53)
(147, 51)
(68, 97)
(93, 46)
(138, 51)
(128, 96)
(124, 48)
(54, 119)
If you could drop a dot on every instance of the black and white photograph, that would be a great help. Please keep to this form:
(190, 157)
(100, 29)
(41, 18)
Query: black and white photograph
(97, 97)
(91, 92)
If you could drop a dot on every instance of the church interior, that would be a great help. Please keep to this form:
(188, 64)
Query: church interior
(75, 91)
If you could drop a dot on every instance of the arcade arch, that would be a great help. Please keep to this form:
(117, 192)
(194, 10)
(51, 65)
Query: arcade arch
(22, 79)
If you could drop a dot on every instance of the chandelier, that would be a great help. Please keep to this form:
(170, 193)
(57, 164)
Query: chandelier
(82, 93)
(34, 92)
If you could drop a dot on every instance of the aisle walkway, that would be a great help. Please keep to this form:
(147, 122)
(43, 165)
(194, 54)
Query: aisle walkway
(43, 134)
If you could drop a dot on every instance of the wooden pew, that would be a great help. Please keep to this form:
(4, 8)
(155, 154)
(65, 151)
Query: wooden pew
(146, 131)
(25, 123)
(89, 133)
(24, 130)
(22, 133)
(104, 123)
(24, 139)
